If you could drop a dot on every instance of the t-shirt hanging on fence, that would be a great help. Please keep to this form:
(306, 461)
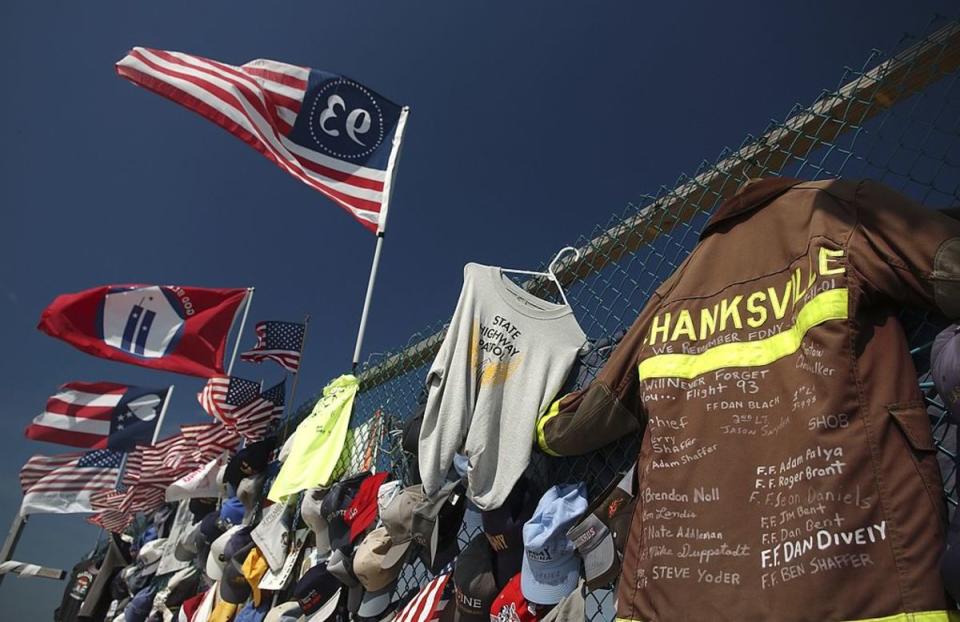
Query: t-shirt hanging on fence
(505, 355)
(318, 441)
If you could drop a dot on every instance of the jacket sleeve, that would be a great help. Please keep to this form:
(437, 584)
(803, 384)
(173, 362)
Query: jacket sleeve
(906, 252)
(607, 409)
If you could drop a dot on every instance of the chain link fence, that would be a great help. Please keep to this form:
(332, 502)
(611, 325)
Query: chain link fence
(896, 120)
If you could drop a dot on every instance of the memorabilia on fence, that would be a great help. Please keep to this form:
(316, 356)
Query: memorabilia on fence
(318, 441)
(787, 451)
(505, 356)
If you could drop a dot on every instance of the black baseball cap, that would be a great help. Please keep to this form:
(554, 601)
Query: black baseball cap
(503, 528)
(474, 585)
(251, 460)
(317, 592)
(334, 506)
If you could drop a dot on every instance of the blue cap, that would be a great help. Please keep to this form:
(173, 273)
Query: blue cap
(139, 607)
(551, 568)
(231, 511)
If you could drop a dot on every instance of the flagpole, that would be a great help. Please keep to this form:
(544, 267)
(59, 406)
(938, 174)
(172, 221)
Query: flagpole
(296, 379)
(381, 228)
(163, 413)
(243, 322)
(296, 375)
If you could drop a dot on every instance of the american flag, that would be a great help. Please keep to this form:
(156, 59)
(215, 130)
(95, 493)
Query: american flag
(210, 440)
(99, 415)
(428, 603)
(278, 341)
(254, 419)
(222, 396)
(330, 132)
(240, 405)
(64, 484)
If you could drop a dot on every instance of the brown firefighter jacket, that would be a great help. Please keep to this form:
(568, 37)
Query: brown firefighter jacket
(786, 469)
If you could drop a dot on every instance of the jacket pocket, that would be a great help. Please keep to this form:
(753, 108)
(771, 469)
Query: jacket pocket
(914, 423)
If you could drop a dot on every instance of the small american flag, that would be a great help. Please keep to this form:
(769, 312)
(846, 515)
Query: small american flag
(64, 484)
(210, 440)
(254, 419)
(330, 132)
(278, 341)
(222, 396)
(428, 603)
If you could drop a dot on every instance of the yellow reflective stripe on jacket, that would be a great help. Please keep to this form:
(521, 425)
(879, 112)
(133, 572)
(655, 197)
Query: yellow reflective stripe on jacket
(918, 616)
(826, 306)
(552, 412)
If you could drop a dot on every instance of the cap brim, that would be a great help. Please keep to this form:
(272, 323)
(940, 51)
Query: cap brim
(600, 564)
(354, 598)
(374, 604)
(323, 613)
(396, 553)
(548, 584)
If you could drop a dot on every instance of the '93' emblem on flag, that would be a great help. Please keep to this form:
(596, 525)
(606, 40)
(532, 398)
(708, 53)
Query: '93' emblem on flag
(345, 119)
(142, 321)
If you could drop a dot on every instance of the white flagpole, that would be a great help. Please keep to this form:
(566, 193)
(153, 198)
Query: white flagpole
(163, 413)
(381, 228)
(243, 322)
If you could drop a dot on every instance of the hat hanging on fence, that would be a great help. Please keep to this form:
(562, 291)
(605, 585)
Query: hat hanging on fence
(368, 562)
(436, 525)
(474, 584)
(551, 568)
(311, 511)
(231, 511)
(511, 606)
(334, 508)
(397, 519)
(272, 534)
(602, 533)
(317, 593)
(362, 511)
(216, 558)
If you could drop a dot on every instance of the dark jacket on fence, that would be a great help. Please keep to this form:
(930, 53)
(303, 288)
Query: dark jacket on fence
(787, 469)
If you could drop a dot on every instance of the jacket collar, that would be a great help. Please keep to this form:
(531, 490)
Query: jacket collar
(752, 195)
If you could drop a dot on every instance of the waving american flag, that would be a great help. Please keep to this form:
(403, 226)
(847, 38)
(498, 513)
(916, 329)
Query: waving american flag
(281, 342)
(330, 132)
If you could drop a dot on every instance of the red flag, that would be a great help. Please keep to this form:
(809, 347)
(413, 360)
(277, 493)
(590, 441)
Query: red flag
(178, 329)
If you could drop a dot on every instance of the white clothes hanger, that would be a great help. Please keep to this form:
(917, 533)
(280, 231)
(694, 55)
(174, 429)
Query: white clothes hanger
(549, 274)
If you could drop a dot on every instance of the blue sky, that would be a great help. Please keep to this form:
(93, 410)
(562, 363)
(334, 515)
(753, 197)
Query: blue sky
(530, 123)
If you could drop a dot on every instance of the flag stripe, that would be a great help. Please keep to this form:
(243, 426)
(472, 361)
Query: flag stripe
(79, 424)
(83, 398)
(66, 437)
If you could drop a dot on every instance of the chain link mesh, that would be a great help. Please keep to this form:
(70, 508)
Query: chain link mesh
(896, 120)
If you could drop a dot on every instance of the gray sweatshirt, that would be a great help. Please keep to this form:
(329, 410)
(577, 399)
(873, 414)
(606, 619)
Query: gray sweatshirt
(505, 356)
